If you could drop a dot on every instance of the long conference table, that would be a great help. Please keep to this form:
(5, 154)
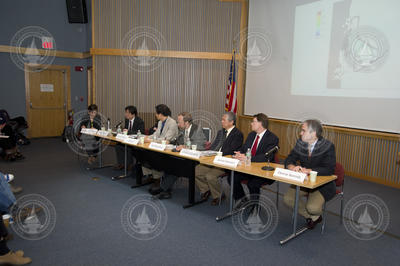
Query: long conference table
(189, 164)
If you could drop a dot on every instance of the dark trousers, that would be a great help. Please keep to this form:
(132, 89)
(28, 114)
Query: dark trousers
(3, 233)
(120, 152)
(254, 184)
(7, 144)
(168, 181)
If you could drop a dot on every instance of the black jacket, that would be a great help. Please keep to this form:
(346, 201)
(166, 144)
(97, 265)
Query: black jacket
(268, 141)
(232, 143)
(138, 124)
(86, 122)
(322, 160)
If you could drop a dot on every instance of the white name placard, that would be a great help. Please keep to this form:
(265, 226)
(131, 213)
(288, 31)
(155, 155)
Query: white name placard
(190, 153)
(157, 146)
(90, 131)
(131, 141)
(121, 137)
(291, 175)
(230, 162)
(102, 133)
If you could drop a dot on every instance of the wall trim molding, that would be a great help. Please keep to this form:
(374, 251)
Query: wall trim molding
(164, 53)
(56, 53)
(347, 130)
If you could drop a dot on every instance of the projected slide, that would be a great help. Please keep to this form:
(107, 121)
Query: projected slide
(347, 48)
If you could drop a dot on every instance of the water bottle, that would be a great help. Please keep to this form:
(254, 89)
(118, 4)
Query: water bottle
(248, 157)
(139, 134)
(119, 130)
(108, 124)
(188, 143)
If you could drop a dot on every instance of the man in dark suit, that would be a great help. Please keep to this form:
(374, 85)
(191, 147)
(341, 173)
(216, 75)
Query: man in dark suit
(314, 153)
(228, 140)
(133, 124)
(259, 141)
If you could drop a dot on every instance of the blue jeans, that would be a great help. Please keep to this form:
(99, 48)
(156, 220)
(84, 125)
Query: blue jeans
(7, 198)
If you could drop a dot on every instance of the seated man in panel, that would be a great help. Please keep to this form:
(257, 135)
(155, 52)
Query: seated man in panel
(167, 130)
(228, 140)
(133, 124)
(187, 131)
(259, 141)
(90, 143)
(314, 153)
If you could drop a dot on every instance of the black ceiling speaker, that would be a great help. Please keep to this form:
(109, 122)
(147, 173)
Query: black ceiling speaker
(77, 12)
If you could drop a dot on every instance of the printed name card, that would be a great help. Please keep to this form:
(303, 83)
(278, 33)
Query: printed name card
(230, 162)
(157, 146)
(190, 153)
(90, 131)
(291, 175)
(121, 137)
(131, 141)
(102, 133)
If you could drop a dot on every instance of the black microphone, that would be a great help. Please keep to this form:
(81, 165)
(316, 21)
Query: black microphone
(268, 167)
(119, 123)
(272, 150)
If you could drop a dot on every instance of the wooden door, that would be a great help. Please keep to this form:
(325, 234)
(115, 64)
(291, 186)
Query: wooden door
(47, 100)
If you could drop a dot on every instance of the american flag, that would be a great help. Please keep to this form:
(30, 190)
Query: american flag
(231, 99)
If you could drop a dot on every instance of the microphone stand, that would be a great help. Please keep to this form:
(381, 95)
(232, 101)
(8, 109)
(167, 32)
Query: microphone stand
(268, 167)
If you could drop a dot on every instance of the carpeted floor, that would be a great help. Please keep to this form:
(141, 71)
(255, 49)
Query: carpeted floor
(88, 227)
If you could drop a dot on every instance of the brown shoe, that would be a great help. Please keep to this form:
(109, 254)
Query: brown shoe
(311, 224)
(216, 201)
(19, 253)
(13, 259)
(15, 189)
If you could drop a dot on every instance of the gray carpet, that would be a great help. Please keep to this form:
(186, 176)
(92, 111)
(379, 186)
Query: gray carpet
(88, 230)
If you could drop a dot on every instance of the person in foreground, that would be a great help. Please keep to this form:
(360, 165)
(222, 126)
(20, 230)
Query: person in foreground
(314, 153)
(7, 199)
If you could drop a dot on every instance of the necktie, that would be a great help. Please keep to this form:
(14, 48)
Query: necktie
(162, 125)
(222, 140)
(254, 148)
(130, 125)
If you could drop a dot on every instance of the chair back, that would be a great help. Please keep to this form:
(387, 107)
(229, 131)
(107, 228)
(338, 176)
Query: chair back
(339, 172)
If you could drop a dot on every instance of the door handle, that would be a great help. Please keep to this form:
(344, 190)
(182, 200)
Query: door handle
(46, 108)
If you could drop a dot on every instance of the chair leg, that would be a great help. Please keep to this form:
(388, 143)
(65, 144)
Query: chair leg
(277, 195)
(341, 209)
(221, 187)
(324, 219)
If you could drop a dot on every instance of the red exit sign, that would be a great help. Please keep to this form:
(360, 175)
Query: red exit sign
(47, 43)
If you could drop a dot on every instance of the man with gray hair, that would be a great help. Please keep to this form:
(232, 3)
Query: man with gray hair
(188, 131)
(314, 153)
(228, 140)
